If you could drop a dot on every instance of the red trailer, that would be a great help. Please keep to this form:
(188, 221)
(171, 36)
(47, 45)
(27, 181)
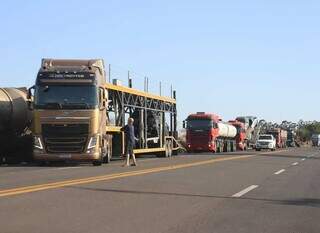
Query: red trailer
(280, 135)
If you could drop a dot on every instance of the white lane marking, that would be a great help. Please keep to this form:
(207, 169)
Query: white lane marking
(66, 168)
(279, 172)
(243, 192)
(295, 164)
(303, 159)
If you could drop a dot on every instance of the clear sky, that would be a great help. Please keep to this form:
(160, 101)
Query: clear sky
(229, 57)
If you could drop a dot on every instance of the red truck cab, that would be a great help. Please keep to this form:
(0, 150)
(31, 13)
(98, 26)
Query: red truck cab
(202, 131)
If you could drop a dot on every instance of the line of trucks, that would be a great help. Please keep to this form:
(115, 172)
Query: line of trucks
(207, 132)
(73, 114)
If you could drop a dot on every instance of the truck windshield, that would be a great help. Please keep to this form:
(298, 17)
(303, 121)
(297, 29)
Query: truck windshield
(265, 137)
(199, 124)
(66, 97)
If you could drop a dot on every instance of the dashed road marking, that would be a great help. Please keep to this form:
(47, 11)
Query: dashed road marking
(303, 159)
(245, 191)
(279, 172)
(295, 164)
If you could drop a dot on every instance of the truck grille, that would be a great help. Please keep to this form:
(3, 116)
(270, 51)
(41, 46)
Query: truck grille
(199, 138)
(65, 138)
(264, 143)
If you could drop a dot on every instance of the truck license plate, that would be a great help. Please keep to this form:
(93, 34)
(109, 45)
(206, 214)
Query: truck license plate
(67, 156)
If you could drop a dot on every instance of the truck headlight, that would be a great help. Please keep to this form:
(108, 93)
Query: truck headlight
(38, 143)
(93, 142)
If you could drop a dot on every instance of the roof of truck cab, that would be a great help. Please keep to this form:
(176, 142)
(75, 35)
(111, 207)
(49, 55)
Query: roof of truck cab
(204, 116)
(49, 64)
(236, 123)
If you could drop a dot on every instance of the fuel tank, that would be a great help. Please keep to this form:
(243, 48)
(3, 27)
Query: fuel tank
(227, 131)
(15, 115)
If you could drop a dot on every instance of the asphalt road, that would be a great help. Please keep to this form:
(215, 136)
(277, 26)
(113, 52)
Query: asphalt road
(237, 192)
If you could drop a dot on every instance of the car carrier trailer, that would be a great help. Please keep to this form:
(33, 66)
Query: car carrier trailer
(78, 115)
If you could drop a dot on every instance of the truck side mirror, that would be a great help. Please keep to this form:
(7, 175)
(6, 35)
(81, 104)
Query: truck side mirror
(184, 124)
(30, 98)
(102, 99)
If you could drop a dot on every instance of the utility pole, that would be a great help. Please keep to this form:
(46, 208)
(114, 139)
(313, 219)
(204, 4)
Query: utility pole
(109, 75)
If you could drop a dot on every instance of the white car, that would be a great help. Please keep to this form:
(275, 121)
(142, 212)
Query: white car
(266, 141)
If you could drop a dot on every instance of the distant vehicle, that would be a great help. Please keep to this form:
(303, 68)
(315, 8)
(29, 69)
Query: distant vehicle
(207, 132)
(315, 140)
(266, 141)
(291, 140)
(280, 135)
(252, 127)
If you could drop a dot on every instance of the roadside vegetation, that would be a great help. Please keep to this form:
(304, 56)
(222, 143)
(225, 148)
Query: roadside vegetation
(307, 129)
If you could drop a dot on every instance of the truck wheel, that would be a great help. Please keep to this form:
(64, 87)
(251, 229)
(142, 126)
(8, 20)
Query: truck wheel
(41, 163)
(100, 160)
(108, 151)
(107, 157)
(165, 153)
(218, 147)
(97, 163)
(167, 149)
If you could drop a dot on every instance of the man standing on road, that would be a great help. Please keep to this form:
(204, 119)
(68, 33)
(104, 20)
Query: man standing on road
(130, 141)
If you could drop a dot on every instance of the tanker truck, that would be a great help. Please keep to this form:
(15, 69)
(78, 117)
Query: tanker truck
(207, 132)
(16, 142)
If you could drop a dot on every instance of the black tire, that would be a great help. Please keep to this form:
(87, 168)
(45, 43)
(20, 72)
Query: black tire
(97, 163)
(258, 149)
(41, 163)
(108, 149)
(167, 150)
(218, 147)
(165, 153)
(108, 154)
(107, 158)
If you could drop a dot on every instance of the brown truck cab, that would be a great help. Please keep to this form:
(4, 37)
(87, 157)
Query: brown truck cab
(69, 110)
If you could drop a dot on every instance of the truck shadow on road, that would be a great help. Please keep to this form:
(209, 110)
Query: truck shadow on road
(307, 202)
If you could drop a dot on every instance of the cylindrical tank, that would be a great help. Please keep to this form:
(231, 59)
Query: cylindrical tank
(227, 131)
(14, 113)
